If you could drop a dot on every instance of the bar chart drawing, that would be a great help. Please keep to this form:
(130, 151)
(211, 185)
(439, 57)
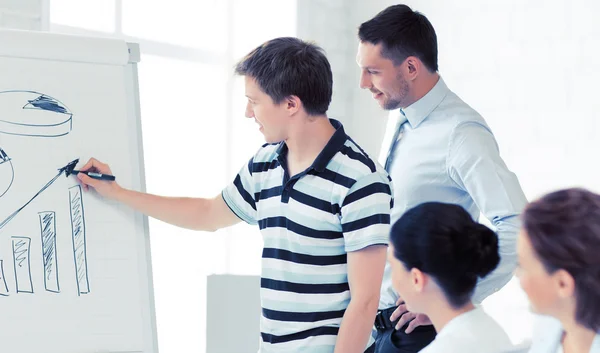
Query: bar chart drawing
(3, 286)
(21, 247)
(79, 242)
(49, 252)
(30, 115)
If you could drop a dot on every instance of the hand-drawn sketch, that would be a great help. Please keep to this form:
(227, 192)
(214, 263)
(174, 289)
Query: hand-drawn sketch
(21, 247)
(48, 235)
(68, 168)
(34, 114)
(7, 173)
(3, 286)
(79, 243)
(29, 113)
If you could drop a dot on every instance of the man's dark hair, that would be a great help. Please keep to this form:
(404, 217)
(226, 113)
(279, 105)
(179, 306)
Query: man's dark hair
(288, 66)
(564, 230)
(403, 33)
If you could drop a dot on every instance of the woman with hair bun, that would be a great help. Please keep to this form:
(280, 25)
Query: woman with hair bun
(559, 269)
(437, 254)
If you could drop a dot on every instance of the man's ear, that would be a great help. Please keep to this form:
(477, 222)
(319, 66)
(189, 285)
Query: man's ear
(292, 104)
(412, 67)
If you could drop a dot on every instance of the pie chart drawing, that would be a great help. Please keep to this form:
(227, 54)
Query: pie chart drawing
(29, 113)
(7, 172)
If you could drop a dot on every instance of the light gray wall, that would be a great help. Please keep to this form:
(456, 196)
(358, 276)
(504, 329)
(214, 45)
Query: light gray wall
(21, 14)
(333, 24)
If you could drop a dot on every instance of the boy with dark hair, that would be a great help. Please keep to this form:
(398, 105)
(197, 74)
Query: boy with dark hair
(323, 206)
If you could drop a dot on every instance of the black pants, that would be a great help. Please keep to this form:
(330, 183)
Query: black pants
(392, 341)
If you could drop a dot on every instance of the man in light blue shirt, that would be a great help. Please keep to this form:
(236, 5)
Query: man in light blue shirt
(440, 150)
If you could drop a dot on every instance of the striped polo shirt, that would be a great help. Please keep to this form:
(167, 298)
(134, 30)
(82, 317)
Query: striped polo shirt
(309, 222)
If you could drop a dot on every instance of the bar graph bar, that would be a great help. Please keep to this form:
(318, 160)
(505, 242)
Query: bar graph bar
(3, 286)
(79, 242)
(48, 234)
(22, 260)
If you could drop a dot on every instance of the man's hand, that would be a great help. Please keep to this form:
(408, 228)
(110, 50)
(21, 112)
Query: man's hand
(105, 188)
(406, 316)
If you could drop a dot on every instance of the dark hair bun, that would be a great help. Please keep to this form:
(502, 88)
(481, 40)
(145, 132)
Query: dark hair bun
(445, 242)
(479, 251)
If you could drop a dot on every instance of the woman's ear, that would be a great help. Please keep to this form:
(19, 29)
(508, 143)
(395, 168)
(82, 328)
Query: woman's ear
(565, 283)
(418, 279)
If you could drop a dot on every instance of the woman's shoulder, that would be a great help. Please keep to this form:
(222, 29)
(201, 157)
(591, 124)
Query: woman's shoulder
(596, 344)
(546, 335)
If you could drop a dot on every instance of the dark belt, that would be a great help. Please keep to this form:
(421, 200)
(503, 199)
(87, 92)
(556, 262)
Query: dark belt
(382, 319)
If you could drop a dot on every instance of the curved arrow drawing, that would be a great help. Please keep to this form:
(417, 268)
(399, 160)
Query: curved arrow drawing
(68, 168)
(7, 172)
